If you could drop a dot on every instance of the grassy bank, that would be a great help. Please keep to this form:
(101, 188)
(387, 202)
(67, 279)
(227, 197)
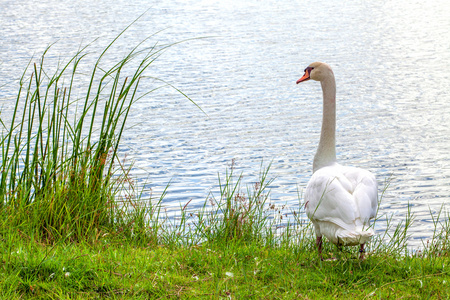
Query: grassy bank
(74, 226)
(121, 270)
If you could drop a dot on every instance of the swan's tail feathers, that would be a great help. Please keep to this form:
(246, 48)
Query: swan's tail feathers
(354, 237)
(340, 233)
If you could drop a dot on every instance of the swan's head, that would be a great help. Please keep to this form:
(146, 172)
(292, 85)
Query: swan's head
(316, 71)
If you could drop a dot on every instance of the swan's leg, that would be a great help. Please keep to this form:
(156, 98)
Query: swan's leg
(361, 252)
(339, 250)
(319, 246)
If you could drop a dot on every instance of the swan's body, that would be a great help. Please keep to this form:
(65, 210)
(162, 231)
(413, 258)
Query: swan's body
(339, 200)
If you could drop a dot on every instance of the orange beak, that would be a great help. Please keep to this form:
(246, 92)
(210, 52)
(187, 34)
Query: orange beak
(305, 77)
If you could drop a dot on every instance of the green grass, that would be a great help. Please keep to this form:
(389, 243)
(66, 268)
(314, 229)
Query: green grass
(111, 269)
(74, 225)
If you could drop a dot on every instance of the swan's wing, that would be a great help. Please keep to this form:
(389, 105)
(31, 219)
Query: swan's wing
(342, 195)
(365, 191)
(328, 198)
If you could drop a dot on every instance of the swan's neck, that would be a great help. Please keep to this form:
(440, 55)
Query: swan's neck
(326, 152)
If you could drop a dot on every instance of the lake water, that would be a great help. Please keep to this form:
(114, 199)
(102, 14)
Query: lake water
(391, 60)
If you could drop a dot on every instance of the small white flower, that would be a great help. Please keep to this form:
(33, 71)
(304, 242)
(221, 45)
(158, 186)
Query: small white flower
(229, 274)
(67, 274)
(257, 262)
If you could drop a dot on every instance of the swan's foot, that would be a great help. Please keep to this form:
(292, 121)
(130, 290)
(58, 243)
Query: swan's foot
(361, 252)
(319, 246)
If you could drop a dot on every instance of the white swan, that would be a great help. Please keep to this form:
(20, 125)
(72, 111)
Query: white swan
(339, 200)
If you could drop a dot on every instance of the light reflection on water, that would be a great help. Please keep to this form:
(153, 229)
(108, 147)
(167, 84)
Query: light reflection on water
(391, 62)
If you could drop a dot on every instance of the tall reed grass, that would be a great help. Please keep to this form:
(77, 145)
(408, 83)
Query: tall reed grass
(60, 173)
